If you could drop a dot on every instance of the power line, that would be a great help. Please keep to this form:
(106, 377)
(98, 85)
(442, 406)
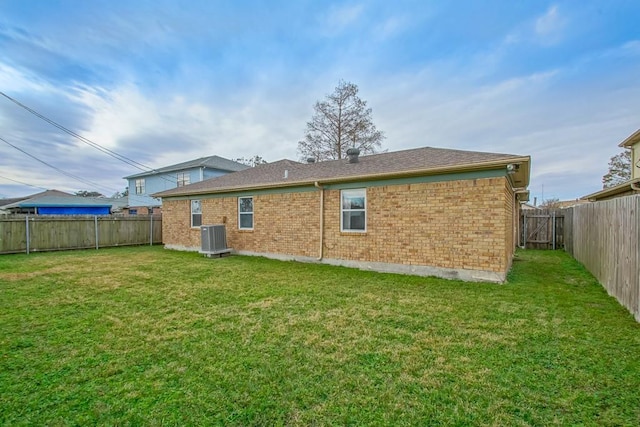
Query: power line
(23, 183)
(70, 175)
(80, 137)
(87, 141)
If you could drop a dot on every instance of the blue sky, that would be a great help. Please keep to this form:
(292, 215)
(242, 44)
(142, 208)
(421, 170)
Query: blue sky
(165, 81)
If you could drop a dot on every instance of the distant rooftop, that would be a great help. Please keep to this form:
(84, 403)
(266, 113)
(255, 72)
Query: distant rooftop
(211, 162)
(427, 160)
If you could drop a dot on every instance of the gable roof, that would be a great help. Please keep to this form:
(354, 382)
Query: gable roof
(64, 201)
(211, 162)
(56, 198)
(14, 200)
(5, 202)
(631, 139)
(413, 162)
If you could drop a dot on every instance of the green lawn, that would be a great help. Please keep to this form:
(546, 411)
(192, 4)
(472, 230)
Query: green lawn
(145, 336)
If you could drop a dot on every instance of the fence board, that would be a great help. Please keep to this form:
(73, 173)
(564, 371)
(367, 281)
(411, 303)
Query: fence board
(606, 239)
(52, 233)
(542, 228)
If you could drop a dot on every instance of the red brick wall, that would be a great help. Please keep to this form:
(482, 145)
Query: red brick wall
(455, 224)
(465, 224)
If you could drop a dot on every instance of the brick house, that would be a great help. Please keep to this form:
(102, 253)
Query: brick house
(425, 211)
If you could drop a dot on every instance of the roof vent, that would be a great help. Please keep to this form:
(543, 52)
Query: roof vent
(352, 155)
(311, 160)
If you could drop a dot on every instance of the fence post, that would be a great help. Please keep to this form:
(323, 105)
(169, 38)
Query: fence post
(95, 221)
(27, 228)
(151, 229)
(553, 227)
(524, 236)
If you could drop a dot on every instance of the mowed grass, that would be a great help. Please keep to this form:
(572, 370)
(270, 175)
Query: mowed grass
(145, 336)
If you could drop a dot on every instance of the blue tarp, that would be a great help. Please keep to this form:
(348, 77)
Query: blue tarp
(74, 210)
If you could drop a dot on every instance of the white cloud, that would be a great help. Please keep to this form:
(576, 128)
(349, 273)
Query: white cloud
(549, 22)
(338, 18)
(547, 29)
(570, 133)
(390, 27)
(16, 81)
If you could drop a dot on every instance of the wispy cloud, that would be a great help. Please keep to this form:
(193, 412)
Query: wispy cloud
(339, 18)
(162, 83)
(550, 26)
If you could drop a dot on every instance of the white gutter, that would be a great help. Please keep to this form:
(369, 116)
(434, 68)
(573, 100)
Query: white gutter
(321, 188)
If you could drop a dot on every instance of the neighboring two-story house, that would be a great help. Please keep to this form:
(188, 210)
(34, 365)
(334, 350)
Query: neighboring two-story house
(142, 185)
(633, 185)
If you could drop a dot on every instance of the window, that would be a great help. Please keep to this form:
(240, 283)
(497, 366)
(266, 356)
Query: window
(354, 210)
(140, 186)
(245, 213)
(133, 211)
(183, 179)
(196, 213)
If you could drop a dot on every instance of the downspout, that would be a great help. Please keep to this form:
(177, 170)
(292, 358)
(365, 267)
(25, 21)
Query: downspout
(321, 188)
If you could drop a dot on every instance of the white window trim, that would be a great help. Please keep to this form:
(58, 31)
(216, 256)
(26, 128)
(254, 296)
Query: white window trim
(141, 187)
(183, 178)
(240, 227)
(196, 213)
(343, 210)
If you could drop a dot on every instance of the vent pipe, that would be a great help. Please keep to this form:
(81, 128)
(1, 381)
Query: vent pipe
(311, 160)
(352, 155)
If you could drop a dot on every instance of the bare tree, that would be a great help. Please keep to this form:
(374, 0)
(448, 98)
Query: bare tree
(340, 122)
(619, 170)
(551, 203)
(251, 161)
(85, 193)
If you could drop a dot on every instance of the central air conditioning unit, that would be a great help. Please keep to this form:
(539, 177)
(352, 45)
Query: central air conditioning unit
(214, 240)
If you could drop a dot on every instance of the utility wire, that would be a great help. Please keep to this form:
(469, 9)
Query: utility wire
(23, 183)
(80, 137)
(87, 141)
(70, 175)
(136, 198)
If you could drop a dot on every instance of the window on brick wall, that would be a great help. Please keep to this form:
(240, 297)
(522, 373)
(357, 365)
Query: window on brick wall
(196, 213)
(353, 210)
(245, 213)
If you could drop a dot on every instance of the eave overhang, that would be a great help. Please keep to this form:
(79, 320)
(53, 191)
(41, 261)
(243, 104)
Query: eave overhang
(631, 185)
(631, 139)
(518, 177)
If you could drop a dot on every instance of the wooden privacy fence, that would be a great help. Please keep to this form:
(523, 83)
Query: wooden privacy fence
(52, 233)
(542, 228)
(605, 238)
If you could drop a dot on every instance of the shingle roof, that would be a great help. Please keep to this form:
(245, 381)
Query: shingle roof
(14, 201)
(58, 198)
(211, 162)
(427, 160)
(5, 202)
